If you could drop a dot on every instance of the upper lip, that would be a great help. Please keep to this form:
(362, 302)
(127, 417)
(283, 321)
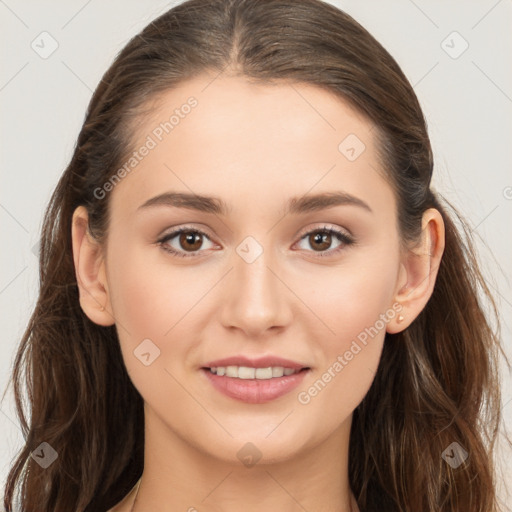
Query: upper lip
(260, 362)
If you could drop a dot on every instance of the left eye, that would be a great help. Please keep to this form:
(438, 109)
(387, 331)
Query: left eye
(191, 241)
(323, 237)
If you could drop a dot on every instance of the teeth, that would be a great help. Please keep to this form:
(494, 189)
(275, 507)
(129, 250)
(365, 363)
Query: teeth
(246, 372)
(243, 372)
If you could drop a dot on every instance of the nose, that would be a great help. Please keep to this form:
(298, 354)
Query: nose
(255, 298)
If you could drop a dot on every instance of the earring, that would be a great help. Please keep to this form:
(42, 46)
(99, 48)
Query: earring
(399, 319)
(102, 308)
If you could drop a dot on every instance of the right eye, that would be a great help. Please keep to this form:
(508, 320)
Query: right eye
(188, 238)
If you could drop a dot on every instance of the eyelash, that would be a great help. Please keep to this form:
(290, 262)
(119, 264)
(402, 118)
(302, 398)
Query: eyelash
(345, 239)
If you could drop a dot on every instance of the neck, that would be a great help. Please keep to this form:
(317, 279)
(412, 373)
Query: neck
(178, 476)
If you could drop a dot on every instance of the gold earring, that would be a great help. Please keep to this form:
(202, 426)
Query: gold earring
(399, 319)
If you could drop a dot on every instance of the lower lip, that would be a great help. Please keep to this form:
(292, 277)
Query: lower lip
(255, 391)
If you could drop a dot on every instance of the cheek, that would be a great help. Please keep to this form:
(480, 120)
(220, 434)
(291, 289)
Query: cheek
(157, 301)
(356, 306)
(149, 301)
(353, 297)
(149, 295)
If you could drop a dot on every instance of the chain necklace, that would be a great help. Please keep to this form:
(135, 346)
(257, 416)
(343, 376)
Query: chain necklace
(137, 493)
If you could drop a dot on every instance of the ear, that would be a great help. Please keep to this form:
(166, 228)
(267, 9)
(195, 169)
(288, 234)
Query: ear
(90, 271)
(418, 272)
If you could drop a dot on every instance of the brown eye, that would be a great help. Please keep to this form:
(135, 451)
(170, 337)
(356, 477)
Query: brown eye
(321, 240)
(183, 241)
(190, 240)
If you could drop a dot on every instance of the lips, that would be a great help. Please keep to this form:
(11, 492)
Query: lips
(260, 362)
(265, 387)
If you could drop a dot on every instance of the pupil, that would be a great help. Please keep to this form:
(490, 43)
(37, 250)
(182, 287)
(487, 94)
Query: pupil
(190, 239)
(319, 237)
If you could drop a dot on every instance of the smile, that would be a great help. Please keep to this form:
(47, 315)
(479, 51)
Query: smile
(246, 372)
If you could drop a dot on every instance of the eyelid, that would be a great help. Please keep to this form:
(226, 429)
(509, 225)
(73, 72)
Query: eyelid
(184, 227)
(324, 226)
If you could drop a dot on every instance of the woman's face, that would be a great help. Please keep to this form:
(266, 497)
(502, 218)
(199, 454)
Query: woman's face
(262, 278)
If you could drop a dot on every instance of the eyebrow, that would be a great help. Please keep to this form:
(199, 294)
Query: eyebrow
(215, 205)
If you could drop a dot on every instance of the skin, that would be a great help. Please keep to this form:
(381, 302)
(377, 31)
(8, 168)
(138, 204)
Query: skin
(255, 147)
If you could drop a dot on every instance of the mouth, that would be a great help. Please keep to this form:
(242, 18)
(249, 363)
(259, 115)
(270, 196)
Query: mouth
(254, 384)
(249, 372)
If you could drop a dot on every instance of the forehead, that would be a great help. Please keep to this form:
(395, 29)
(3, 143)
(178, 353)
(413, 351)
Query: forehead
(231, 138)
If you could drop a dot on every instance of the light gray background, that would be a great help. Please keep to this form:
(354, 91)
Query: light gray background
(467, 101)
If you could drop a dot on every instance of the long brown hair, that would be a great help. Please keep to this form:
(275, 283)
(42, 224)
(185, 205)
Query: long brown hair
(437, 382)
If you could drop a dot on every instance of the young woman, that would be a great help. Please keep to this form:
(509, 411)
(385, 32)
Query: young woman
(251, 298)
